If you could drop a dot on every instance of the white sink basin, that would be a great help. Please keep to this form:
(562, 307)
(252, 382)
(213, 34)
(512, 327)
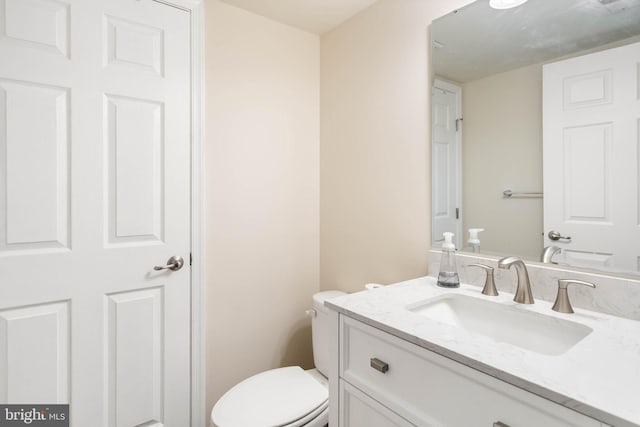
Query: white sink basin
(504, 323)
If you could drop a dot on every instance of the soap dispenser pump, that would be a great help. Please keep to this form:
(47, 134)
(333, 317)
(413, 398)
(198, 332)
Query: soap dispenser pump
(448, 276)
(474, 241)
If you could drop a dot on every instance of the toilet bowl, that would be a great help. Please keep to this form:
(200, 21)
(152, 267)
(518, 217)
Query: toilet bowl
(284, 397)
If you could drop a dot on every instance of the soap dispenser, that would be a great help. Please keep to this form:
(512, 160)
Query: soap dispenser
(448, 276)
(474, 242)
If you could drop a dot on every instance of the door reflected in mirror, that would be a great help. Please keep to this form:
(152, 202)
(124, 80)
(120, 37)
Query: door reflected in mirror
(545, 134)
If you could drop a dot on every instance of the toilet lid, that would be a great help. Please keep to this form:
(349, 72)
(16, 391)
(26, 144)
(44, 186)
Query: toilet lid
(273, 398)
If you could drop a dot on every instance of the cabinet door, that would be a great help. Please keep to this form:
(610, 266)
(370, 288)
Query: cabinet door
(359, 410)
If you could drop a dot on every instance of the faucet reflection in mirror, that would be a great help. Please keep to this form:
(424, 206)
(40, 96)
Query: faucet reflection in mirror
(548, 253)
(583, 55)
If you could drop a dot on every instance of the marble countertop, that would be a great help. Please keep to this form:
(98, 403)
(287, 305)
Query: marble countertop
(598, 377)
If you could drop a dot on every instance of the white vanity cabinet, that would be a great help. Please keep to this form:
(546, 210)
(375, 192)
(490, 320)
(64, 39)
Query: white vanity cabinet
(422, 388)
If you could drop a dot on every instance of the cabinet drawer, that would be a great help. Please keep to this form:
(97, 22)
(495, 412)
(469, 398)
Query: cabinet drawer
(430, 390)
(359, 410)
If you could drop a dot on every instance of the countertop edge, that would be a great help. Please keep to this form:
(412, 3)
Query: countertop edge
(492, 371)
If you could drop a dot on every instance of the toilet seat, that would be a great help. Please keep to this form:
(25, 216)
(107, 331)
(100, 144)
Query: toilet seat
(281, 397)
(306, 421)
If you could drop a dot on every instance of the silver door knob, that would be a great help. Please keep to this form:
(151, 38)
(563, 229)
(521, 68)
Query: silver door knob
(175, 263)
(554, 235)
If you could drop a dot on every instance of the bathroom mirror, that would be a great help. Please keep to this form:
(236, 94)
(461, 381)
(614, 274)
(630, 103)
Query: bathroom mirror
(490, 122)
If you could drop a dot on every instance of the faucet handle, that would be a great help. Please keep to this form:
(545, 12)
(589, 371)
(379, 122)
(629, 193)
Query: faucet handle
(489, 283)
(562, 304)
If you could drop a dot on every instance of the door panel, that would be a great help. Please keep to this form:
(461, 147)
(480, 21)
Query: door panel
(587, 90)
(587, 173)
(95, 192)
(135, 145)
(36, 368)
(38, 24)
(28, 178)
(135, 331)
(134, 45)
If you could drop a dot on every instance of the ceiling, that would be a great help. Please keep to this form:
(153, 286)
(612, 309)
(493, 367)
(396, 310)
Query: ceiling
(478, 41)
(315, 16)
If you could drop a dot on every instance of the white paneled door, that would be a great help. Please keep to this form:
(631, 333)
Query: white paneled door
(591, 157)
(95, 192)
(445, 162)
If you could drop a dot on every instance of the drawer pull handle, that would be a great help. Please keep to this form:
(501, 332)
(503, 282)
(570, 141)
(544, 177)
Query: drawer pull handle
(500, 424)
(379, 365)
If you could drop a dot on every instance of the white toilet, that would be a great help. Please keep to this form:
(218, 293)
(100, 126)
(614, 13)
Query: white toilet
(284, 397)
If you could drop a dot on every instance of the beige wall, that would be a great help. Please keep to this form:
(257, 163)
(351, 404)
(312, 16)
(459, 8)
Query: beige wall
(263, 179)
(262, 194)
(502, 149)
(375, 145)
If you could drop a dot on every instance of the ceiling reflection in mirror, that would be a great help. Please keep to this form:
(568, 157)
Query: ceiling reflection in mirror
(543, 101)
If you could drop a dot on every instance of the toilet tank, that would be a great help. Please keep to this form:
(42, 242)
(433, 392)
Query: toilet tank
(322, 331)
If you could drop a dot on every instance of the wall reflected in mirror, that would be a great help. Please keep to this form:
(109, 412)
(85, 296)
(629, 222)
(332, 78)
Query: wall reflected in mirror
(542, 100)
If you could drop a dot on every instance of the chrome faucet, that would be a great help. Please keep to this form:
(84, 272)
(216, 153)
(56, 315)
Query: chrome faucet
(523, 291)
(548, 253)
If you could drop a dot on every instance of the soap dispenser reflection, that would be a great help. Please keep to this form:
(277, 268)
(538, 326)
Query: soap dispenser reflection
(474, 241)
(448, 276)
